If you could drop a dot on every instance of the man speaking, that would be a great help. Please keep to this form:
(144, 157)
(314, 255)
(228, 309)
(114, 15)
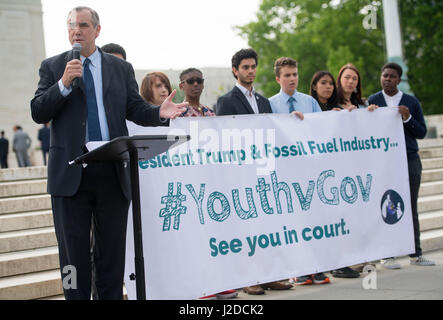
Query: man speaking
(95, 110)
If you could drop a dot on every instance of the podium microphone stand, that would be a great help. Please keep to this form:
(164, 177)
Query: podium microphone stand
(134, 149)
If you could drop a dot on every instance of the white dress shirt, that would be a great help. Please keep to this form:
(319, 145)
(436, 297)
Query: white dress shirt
(250, 96)
(96, 70)
(394, 101)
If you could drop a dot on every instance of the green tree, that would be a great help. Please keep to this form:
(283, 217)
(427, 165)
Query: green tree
(422, 29)
(179, 95)
(320, 35)
(324, 35)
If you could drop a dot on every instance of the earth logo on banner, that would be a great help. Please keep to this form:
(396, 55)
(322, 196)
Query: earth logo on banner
(392, 207)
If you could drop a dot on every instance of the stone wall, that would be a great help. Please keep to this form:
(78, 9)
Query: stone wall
(23, 49)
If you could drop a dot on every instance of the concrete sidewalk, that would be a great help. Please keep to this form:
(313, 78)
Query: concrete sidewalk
(408, 283)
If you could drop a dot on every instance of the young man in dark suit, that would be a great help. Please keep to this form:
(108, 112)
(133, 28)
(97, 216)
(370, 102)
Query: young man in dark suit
(243, 99)
(95, 109)
(414, 128)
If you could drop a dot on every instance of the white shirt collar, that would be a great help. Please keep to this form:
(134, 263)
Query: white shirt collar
(93, 57)
(245, 91)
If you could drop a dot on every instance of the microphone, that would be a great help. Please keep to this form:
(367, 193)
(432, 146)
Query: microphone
(76, 48)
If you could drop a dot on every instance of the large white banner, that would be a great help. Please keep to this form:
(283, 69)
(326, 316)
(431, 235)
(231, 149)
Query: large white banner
(257, 198)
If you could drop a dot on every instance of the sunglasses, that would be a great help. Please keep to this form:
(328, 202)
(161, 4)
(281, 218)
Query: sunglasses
(192, 80)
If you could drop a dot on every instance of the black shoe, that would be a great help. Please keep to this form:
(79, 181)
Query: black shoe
(345, 272)
(320, 278)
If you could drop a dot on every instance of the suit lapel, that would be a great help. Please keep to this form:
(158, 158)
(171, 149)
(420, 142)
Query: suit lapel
(107, 73)
(261, 104)
(243, 100)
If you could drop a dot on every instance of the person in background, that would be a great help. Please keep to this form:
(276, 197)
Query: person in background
(324, 90)
(44, 136)
(4, 149)
(155, 88)
(348, 97)
(114, 49)
(243, 99)
(192, 84)
(349, 92)
(20, 146)
(289, 99)
(414, 128)
(349, 88)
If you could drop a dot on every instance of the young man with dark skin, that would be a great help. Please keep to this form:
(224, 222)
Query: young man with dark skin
(192, 84)
(414, 128)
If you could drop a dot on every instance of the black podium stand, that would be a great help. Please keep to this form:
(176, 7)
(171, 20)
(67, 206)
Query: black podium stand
(134, 149)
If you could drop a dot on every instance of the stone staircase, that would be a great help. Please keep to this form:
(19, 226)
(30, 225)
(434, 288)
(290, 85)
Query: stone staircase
(28, 247)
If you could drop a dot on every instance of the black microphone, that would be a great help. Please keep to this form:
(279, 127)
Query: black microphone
(76, 48)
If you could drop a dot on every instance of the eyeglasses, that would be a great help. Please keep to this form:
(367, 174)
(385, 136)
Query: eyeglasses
(191, 81)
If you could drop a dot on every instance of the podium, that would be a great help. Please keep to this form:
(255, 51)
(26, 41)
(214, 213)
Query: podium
(134, 149)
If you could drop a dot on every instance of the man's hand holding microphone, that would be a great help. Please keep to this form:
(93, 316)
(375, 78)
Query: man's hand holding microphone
(74, 68)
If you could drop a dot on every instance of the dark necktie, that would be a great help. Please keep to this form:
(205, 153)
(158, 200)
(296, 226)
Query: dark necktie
(94, 131)
(291, 101)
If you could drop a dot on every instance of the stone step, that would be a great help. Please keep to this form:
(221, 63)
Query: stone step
(432, 175)
(28, 173)
(21, 188)
(434, 163)
(27, 239)
(430, 203)
(431, 240)
(31, 286)
(27, 261)
(431, 220)
(26, 220)
(430, 188)
(430, 143)
(431, 153)
(25, 203)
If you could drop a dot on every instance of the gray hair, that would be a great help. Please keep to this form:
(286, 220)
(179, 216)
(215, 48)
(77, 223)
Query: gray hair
(94, 15)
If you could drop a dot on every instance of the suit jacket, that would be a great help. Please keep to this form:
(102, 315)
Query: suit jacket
(21, 141)
(4, 146)
(68, 117)
(44, 136)
(234, 102)
(415, 128)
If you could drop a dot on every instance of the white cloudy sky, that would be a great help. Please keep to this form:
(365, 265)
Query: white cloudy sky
(159, 34)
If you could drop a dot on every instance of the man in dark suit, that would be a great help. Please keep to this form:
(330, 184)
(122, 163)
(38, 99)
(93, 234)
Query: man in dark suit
(243, 99)
(95, 109)
(4, 149)
(43, 136)
(414, 128)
